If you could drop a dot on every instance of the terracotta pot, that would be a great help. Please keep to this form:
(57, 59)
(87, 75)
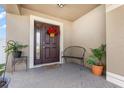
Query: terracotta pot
(97, 70)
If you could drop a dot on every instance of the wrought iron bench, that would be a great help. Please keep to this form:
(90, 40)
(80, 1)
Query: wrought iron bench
(74, 52)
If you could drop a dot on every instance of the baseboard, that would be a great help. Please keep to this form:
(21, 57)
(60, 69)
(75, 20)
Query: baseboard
(115, 78)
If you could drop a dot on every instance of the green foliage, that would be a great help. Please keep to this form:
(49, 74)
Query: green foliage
(92, 60)
(97, 55)
(13, 46)
(2, 69)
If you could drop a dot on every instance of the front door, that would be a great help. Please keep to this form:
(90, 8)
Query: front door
(46, 48)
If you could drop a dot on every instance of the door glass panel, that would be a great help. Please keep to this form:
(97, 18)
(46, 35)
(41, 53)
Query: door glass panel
(38, 44)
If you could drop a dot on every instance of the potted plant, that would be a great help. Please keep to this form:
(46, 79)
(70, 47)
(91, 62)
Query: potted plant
(4, 81)
(96, 59)
(14, 48)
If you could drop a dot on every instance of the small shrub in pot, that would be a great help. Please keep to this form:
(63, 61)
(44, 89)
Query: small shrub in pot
(4, 81)
(95, 60)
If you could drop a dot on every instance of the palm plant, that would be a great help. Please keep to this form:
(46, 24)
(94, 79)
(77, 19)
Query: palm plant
(2, 73)
(2, 68)
(14, 47)
(97, 55)
(96, 59)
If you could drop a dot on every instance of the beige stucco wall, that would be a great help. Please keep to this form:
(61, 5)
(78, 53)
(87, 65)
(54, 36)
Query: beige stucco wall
(89, 30)
(115, 40)
(18, 30)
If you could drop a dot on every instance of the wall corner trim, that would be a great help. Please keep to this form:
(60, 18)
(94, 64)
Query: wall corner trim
(115, 78)
(112, 7)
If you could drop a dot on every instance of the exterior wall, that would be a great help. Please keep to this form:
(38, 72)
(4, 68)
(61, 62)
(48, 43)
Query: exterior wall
(89, 30)
(18, 30)
(115, 39)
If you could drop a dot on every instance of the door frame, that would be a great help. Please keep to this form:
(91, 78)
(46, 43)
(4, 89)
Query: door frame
(31, 40)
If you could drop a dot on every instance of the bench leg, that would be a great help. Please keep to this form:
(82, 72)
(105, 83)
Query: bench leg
(13, 65)
(82, 64)
(26, 64)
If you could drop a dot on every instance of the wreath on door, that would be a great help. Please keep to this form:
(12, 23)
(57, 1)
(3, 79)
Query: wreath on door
(52, 31)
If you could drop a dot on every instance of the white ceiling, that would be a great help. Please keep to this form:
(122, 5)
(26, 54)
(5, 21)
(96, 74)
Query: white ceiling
(69, 12)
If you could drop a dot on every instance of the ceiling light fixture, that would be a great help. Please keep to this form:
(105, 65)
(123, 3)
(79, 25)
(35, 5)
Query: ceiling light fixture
(61, 5)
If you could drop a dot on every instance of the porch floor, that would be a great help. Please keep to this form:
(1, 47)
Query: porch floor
(68, 75)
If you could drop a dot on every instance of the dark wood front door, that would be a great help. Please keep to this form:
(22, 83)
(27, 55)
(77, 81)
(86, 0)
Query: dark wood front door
(46, 48)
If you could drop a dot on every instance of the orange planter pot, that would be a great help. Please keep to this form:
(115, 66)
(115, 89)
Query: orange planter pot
(97, 70)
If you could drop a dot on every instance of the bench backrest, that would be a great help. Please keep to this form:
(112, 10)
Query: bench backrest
(75, 51)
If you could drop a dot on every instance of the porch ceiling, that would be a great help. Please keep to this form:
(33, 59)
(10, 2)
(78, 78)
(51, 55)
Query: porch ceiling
(69, 12)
